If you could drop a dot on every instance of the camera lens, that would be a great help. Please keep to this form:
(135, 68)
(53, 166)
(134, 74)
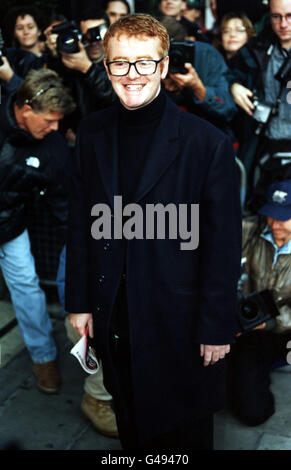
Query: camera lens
(68, 42)
(249, 310)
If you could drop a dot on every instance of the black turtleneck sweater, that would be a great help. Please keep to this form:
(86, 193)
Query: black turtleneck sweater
(136, 133)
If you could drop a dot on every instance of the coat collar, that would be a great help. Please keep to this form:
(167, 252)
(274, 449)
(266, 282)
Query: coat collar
(165, 148)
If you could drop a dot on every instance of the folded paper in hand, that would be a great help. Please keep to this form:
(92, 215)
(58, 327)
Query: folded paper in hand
(85, 355)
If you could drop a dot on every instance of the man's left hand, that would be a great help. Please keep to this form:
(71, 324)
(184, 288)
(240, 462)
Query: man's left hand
(190, 80)
(212, 353)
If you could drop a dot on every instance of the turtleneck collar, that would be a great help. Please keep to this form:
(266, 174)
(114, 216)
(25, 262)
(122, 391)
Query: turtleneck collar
(145, 115)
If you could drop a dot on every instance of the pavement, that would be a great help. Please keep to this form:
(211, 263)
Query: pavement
(31, 420)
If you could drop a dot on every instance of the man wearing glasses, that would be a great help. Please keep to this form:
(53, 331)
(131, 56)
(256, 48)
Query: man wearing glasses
(261, 74)
(162, 318)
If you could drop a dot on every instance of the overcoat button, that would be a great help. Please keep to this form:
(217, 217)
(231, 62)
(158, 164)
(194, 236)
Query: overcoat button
(101, 279)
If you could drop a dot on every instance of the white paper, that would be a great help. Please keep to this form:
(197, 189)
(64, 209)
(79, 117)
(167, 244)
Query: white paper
(79, 351)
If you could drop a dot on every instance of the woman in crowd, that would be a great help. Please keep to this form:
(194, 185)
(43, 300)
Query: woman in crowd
(234, 32)
(23, 29)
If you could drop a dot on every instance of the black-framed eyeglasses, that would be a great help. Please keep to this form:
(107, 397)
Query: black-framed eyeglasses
(118, 68)
(277, 18)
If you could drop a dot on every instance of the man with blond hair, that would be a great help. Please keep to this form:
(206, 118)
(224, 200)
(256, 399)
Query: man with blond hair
(34, 161)
(162, 313)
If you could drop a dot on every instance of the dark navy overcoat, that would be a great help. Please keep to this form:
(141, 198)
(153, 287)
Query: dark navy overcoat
(177, 299)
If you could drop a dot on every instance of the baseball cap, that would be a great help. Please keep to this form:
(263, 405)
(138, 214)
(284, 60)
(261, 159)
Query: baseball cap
(278, 203)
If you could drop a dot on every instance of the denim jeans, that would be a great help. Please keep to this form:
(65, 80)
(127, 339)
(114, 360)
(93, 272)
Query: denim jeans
(29, 302)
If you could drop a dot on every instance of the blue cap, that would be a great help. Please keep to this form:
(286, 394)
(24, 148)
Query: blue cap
(278, 203)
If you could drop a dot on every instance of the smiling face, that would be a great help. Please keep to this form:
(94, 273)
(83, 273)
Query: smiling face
(26, 31)
(134, 90)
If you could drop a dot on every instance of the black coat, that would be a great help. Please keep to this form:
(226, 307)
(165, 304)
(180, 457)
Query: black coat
(29, 169)
(176, 299)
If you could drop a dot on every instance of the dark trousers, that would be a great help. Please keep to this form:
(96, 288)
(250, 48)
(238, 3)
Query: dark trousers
(196, 435)
(250, 364)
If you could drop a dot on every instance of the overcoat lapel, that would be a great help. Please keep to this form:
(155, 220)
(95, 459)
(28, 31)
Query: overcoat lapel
(106, 145)
(164, 150)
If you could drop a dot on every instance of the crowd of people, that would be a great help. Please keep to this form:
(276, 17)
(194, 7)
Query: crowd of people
(228, 85)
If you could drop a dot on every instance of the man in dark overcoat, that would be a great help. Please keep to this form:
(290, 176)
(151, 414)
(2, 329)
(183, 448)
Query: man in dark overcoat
(159, 301)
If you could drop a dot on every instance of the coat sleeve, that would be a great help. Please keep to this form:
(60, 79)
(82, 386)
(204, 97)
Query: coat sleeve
(213, 70)
(219, 249)
(77, 283)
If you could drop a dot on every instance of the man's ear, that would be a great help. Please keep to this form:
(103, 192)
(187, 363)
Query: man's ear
(106, 68)
(165, 67)
(26, 110)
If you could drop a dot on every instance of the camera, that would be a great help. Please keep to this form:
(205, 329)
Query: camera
(69, 36)
(181, 52)
(262, 111)
(255, 309)
(94, 34)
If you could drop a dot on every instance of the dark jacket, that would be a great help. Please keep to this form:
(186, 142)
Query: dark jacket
(29, 167)
(21, 62)
(92, 91)
(248, 67)
(176, 299)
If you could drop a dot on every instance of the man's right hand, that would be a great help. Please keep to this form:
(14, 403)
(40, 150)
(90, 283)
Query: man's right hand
(81, 321)
(78, 61)
(241, 96)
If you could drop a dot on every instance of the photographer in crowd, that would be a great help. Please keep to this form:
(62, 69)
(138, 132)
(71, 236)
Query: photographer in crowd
(22, 28)
(267, 248)
(77, 54)
(197, 77)
(260, 72)
(34, 163)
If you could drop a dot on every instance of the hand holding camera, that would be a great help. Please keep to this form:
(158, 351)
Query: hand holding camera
(190, 80)
(243, 98)
(77, 61)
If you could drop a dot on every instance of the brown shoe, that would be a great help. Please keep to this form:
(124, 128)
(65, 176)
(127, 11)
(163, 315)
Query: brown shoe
(48, 377)
(101, 415)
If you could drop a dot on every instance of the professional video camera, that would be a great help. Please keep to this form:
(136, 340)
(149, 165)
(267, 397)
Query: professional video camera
(69, 36)
(2, 48)
(180, 53)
